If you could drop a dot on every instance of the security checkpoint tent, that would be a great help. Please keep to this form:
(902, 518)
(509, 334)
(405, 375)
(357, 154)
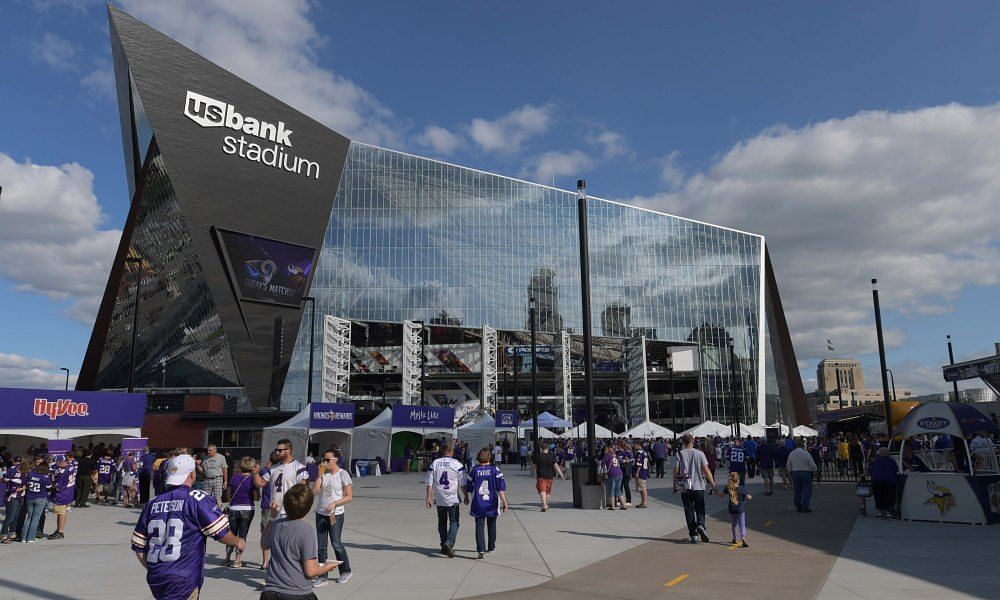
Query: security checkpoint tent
(298, 430)
(649, 429)
(804, 431)
(709, 429)
(580, 431)
(372, 439)
(480, 434)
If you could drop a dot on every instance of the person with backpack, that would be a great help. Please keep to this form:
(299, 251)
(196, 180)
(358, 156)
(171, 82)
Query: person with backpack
(691, 477)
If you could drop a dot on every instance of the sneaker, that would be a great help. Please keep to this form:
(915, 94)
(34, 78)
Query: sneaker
(444, 549)
(745, 544)
(318, 583)
(57, 536)
(703, 533)
(642, 506)
(481, 556)
(344, 578)
(694, 539)
(29, 541)
(807, 510)
(449, 551)
(39, 535)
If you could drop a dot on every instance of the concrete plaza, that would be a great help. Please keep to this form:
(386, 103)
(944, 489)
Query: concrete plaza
(392, 542)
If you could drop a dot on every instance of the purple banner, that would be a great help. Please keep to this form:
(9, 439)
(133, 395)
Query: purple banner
(59, 446)
(34, 409)
(133, 444)
(266, 270)
(405, 415)
(508, 418)
(331, 415)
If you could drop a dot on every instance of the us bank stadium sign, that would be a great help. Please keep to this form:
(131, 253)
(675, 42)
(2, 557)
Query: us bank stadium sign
(209, 112)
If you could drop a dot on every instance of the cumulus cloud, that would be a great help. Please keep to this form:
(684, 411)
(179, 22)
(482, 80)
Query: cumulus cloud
(440, 140)
(51, 234)
(550, 165)
(100, 82)
(506, 134)
(907, 197)
(273, 46)
(52, 50)
(611, 143)
(671, 173)
(23, 372)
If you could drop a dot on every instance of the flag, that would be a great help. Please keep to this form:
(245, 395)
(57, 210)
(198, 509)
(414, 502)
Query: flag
(829, 345)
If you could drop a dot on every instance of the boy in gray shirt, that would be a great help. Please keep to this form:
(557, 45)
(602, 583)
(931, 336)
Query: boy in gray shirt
(292, 542)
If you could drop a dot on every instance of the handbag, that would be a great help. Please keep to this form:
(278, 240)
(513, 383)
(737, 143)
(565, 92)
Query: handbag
(683, 479)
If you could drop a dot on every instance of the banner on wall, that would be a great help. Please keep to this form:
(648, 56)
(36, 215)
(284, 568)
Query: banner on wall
(331, 415)
(59, 446)
(438, 417)
(134, 444)
(37, 409)
(507, 418)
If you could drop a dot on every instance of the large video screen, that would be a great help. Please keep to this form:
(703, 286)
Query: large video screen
(265, 270)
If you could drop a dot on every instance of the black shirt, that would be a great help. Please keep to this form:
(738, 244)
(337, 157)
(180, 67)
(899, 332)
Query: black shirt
(85, 466)
(546, 466)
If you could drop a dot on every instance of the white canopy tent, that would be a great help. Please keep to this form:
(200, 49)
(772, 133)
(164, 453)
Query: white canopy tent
(297, 430)
(649, 429)
(709, 428)
(19, 440)
(755, 430)
(784, 428)
(580, 431)
(372, 439)
(479, 434)
(804, 431)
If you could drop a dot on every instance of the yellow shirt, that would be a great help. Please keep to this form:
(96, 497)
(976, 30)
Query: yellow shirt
(843, 453)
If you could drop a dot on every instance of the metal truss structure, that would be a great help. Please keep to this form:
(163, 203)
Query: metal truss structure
(413, 352)
(488, 400)
(336, 358)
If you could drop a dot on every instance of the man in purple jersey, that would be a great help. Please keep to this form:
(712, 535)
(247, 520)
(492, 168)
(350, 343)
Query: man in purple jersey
(145, 467)
(105, 471)
(169, 538)
(641, 473)
(63, 492)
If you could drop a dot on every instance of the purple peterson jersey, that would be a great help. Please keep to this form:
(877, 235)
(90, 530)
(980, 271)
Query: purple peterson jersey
(642, 464)
(484, 486)
(105, 467)
(171, 532)
(64, 487)
(37, 486)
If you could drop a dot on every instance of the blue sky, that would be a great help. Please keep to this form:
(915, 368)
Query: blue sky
(862, 139)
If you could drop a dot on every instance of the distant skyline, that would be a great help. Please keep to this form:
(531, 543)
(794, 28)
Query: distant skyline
(862, 140)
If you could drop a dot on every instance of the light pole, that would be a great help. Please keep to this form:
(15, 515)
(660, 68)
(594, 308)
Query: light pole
(951, 360)
(534, 378)
(67, 377)
(588, 359)
(312, 346)
(135, 320)
(670, 375)
(881, 357)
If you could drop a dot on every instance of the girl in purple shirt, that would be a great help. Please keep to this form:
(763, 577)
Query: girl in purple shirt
(241, 506)
(613, 484)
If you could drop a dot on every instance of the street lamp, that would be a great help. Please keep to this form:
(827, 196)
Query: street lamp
(312, 346)
(881, 357)
(67, 376)
(951, 360)
(588, 359)
(534, 377)
(135, 320)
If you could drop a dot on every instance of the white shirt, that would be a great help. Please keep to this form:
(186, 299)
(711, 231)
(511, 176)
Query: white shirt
(446, 476)
(800, 460)
(981, 445)
(281, 477)
(497, 453)
(332, 490)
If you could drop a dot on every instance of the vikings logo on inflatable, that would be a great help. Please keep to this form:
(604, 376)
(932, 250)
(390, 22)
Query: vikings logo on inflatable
(941, 497)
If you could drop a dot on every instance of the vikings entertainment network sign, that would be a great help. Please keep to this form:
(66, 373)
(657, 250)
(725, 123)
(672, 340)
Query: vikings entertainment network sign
(209, 112)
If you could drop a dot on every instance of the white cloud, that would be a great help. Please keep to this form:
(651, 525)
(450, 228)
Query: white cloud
(506, 134)
(907, 197)
(611, 143)
(22, 372)
(273, 45)
(671, 172)
(550, 165)
(51, 236)
(52, 50)
(440, 140)
(100, 82)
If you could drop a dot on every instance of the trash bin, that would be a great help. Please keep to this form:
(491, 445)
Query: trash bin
(579, 470)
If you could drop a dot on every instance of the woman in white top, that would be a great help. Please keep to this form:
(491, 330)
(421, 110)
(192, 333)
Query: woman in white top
(334, 490)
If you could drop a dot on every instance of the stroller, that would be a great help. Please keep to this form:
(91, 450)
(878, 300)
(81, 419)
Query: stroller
(864, 490)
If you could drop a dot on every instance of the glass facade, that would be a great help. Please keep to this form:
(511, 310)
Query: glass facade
(411, 239)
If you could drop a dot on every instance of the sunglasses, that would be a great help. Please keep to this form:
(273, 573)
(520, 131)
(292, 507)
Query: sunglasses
(280, 449)
(329, 459)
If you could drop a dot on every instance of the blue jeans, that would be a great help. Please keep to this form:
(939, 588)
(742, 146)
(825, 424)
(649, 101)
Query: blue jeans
(486, 526)
(613, 485)
(10, 520)
(802, 488)
(324, 530)
(35, 508)
(448, 531)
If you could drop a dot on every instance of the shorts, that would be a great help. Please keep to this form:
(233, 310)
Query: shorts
(767, 474)
(60, 509)
(640, 485)
(265, 518)
(103, 488)
(213, 487)
(543, 485)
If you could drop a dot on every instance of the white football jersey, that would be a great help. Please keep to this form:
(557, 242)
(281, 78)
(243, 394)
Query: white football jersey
(446, 476)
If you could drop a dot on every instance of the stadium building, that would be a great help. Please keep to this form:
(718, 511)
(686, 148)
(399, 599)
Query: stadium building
(421, 273)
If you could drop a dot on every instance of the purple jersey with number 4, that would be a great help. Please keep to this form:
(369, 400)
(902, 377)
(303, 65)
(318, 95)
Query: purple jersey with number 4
(171, 532)
(485, 484)
(105, 467)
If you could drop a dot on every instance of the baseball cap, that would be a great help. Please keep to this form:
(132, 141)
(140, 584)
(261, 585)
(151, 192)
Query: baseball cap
(59, 457)
(178, 469)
